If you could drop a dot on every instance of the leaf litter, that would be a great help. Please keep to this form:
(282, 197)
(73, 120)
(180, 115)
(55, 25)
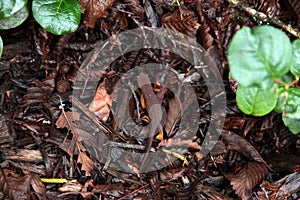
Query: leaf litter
(40, 121)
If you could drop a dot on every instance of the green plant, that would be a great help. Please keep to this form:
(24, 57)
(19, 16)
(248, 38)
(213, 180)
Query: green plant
(55, 16)
(266, 66)
(1, 47)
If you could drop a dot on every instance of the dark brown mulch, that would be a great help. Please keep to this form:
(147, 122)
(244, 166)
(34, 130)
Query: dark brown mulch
(41, 133)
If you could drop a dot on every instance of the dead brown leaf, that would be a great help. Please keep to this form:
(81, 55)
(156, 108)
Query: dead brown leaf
(239, 144)
(246, 178)
(182, 20)
(17, 187)
(101, 102)
(87, 163)
(66, 120)
(234, 123)
(62, 122)
(93, 10)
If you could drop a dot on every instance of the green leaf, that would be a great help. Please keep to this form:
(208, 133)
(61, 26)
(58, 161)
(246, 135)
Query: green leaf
(281, 100)
(10, 7)
(292, 124)
(295, 68)
(256, 101)
(256, 57)
(57, 16)
(15, 20)
(1, 47)
(289, 102)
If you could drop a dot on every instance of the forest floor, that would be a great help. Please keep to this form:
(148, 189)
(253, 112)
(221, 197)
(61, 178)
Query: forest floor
(56, 144)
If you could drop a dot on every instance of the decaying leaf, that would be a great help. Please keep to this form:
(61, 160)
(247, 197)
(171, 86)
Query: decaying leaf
(62, 122)
(67, 120)
(239, 144)
(40, 94)
(87, 163)
(94, 9)
(181, 20)
(15, 186)
(282, 188)
(246, 178)
(101, 102)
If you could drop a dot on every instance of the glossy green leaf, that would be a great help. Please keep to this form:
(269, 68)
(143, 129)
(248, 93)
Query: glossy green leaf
(289, 102)
(256, 101)
(281, 100)
(295, 68)
(10, 7)
(57, 16)
(15, 20)
(256, 57)
(1, 47)
(292, 124)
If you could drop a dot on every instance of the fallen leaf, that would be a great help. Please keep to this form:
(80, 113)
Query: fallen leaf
(62, 122)
(246, 178)
(234, 123)
(101, 102)
(239, 144)
(93, 10)
(66, 120)
(87, 163)
(181, 20)
(15, 186)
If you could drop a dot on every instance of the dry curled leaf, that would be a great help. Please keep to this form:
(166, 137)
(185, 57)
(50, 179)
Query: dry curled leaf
(182, 20)
(94, 9)
(67, 120)
(15, 186)
(87, 163)
(239, 144)
(246, 178)
(101, 102)
(62, 122)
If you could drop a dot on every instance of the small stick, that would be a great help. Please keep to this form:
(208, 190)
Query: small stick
(89, 114)
(264, 18)
(134, 191)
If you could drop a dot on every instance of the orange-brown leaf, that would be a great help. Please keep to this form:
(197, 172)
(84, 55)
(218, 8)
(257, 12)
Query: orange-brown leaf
(94, 9)
(87, 163)
(101, 102)
(245, 179)
(62, 122)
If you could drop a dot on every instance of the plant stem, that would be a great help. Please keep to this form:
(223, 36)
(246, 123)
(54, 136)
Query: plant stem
(265, 18)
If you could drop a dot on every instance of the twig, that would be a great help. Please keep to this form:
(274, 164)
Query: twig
(264, 18)
(89, 114)
(129, 146)
(134, 191)
(154, 110)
